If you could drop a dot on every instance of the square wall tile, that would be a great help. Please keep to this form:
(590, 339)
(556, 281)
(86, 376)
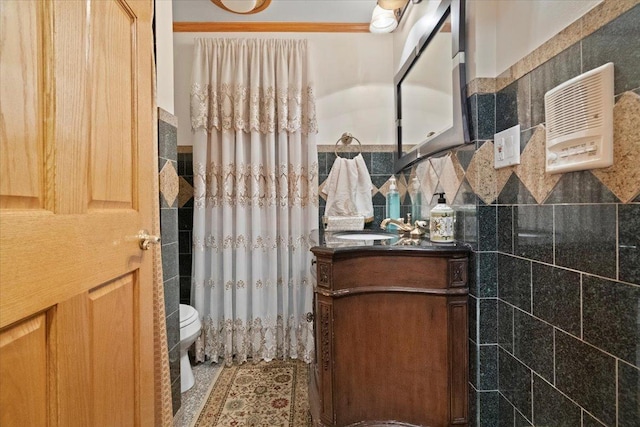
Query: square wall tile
(176, 397)
(629, 242)
(505, 229)
(533, 232)
(486, 116)
(505, 413)
(506, 107)
(488, 372)
(587, 376)
(171, 295)
(185, 290)
(167, 141)
(556, 297)
(505, 325)
(628, 395)
(514, 281)
(487, 216)
(170, 261)
(173, 329)
(473, 318)
(473, 364)
(589, 421)
(616, 42)
(515, 192)
(488, 406)
(487, 274)
(521, 421)
(589, 244)
(551, 408)
(559, 69)
(168, 225)
(580, 187)
(533, 343)
(488, 321)
(515, 382)
(610, 317)
(382, 163)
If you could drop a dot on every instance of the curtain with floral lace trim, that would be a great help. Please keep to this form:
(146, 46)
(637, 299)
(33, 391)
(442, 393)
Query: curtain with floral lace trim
(255, 198)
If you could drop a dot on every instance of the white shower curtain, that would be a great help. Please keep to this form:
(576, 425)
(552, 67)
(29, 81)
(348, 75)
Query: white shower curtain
(255, 198)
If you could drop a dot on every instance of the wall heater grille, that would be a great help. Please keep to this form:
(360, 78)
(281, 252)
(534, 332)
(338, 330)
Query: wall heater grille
(579, 121)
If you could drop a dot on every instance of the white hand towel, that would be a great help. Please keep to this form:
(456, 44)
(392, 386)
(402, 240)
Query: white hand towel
(348, 189)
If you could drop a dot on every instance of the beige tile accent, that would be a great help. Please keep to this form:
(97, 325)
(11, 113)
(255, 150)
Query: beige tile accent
(531, 171)
(400, 183)
(438, 164)
(320, 188)
(186, 192)
(481, 85)
(428, 180)
(167, 117)
(451, 177)
(623, 178)
(604, 13)
(169, 183)
(354, 148)
(185, 149)
(481, 174)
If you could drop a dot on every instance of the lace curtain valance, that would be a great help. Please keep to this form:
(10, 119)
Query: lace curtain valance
(252, 85)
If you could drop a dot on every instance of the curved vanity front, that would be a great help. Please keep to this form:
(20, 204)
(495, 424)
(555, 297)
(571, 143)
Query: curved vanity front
(390, 335)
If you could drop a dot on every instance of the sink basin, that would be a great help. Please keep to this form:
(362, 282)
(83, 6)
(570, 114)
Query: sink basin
(364, 236)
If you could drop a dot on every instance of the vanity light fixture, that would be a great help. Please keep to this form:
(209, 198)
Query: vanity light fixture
(385, 15)
(243, 7)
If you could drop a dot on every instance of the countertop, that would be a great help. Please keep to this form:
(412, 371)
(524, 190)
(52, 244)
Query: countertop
(329, 241)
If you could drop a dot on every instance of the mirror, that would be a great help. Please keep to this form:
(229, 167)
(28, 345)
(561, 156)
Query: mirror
(431, 107)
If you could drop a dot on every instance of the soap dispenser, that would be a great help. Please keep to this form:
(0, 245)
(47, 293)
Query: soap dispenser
(393, 202)
(416, 200)
(441, 221)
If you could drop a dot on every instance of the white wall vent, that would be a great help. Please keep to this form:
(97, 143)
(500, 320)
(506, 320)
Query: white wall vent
(579, 115)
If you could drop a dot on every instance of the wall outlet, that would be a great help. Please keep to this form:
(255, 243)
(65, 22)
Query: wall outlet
(506, 147)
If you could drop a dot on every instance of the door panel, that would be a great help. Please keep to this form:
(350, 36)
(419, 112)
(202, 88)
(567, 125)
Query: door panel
(24, 379)
(113, 106)
(21, 70)
(77, 165)
(113, 351)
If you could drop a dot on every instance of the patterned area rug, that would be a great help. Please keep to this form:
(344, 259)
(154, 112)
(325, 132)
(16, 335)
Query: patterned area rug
(265, 394)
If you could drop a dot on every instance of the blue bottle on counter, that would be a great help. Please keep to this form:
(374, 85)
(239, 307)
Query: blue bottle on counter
(393, 202)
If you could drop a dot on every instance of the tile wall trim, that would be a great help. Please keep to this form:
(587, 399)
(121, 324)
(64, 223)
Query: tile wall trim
(371, 148)
(354, 148)
(590, 22)
(167, 117)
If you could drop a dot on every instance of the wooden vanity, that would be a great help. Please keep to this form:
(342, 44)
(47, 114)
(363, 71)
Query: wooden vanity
(390, 336)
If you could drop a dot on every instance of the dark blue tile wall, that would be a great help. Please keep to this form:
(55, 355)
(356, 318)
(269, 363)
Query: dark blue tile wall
(185, 228)
(558, 281)
(167, 153)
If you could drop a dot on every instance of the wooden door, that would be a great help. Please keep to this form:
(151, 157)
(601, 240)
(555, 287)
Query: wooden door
(76, 186)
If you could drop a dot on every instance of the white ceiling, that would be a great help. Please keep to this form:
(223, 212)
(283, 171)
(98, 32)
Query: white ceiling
(278, 11)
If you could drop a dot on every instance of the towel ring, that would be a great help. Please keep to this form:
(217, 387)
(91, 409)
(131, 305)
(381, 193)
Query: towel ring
(346, 139)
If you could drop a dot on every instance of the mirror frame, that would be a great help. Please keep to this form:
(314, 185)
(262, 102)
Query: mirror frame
(458, 134)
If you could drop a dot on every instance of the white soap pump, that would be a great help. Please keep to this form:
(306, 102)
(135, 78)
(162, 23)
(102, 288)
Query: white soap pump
(441, 221)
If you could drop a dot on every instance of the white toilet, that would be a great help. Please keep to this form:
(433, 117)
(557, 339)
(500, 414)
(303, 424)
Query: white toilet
(189, 330)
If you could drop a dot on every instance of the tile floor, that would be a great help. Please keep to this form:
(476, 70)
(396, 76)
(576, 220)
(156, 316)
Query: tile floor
(193, 399)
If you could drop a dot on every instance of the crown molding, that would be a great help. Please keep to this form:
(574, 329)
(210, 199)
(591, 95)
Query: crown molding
(270, 27)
